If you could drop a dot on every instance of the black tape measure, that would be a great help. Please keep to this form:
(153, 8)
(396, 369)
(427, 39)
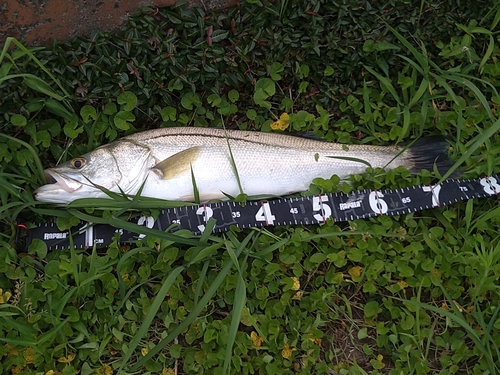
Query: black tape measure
(284, 211)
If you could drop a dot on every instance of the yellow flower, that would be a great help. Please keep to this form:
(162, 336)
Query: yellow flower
(4, 297)
(435, 272)
(355, 271)
(68, 359)
(298, 296)
(144, 351)
(380, 359)
(29, 355)
(125, 277)
(256, 339)
(16, 369)
(316, 340)
(167, 371)
(50, 372)
(11, 351)
(281, 123)
(402, 284)
(287, 351)
(104, 370)
(296, 283)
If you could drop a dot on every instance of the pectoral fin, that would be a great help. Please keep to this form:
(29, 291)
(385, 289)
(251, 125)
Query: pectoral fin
(178, 163)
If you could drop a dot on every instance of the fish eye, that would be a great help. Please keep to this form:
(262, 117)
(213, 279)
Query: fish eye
(78, 163)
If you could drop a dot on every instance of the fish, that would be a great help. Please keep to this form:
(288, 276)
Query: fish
(206, 164)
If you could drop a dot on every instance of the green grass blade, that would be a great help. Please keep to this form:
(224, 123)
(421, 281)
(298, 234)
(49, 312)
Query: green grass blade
(196, 192)
(120, 202)
(485, 218)
(200, 281)
(229, 248)
(197, 309)
(209, 228)
(489, 328)
(406, 124)
(487, 54)
(385, 83)
(205, 252)
(368, 108)
(131, 227)
(421, 57)
(32, 57)
(39, 168)
(496, 20)
(148, 319)
(261, 254)
(61, 304)
(41, 86)
(424, 110)
(420, 92)
(457, 318)
(346, 233)
(415, 65)
(18, 342)
(11, 307)
(47, 336)
(233, 163)
(468, 214)
(26, 330)
(120, 263)
(476, 142)
(442, 82)
(476, 91)
(240, 296)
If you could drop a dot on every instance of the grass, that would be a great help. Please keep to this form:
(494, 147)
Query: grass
(411, 294)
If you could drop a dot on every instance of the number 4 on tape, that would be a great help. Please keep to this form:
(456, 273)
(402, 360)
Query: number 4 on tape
(265, 214)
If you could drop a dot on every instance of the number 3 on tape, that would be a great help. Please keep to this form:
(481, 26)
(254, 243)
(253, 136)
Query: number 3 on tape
(205, 212)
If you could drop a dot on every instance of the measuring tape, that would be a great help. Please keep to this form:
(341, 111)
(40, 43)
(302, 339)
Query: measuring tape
(284, 211)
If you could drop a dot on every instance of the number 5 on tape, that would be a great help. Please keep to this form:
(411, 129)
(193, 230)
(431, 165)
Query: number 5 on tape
(324, 209)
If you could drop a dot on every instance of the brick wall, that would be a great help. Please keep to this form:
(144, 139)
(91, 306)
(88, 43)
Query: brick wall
(36, 22)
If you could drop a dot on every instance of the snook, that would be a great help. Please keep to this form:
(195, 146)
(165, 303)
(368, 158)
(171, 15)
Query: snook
(165, 162)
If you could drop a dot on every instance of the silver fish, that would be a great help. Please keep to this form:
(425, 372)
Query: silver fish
(165, 162)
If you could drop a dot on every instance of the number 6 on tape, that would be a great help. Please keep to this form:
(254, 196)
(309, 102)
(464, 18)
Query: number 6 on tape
(377, 204)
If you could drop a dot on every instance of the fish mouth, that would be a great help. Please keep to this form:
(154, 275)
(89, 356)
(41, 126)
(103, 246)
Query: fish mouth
(56, 181)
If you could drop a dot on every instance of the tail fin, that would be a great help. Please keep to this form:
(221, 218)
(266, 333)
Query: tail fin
(428, 153)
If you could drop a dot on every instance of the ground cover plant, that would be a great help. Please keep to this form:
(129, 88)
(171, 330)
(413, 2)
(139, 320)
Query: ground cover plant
(411, 294)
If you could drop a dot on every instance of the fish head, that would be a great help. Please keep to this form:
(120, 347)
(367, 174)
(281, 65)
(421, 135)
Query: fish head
(113, 167)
